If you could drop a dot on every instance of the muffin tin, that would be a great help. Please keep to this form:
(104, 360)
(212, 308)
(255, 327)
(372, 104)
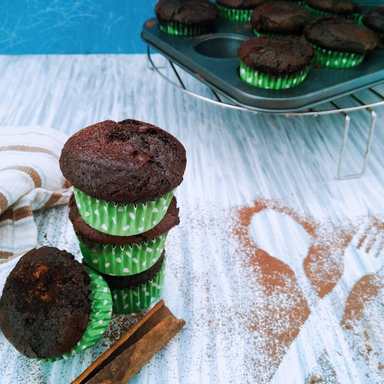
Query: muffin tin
(212, 59)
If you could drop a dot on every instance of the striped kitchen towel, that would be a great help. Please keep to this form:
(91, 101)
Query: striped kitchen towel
(30, 179)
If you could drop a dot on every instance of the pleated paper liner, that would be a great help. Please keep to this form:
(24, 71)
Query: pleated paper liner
(179, 29)
(236, 15)
(263, 80)
(336, 60)
(99, 318)
(123, 260)
(121, 219)
(259, 34)
(139, 298)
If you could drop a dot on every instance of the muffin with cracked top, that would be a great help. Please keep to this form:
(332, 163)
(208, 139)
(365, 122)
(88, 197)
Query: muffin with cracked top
(52, 306)
(340, 43)
(275, 62)
(124, 174)
(279, 17)
(186, 17)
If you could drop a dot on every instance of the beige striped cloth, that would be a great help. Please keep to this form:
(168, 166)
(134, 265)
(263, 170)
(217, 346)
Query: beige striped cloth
(30, 179)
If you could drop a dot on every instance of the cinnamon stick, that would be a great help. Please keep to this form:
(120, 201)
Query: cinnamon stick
(134, 349)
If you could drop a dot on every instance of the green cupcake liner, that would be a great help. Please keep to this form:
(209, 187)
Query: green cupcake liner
(99, 317)
(257, 33)
(179, 29)
(337, 60)
(319, 13)
(123, 260)
(235, 15)
(360, 20)
(118, 219)
(266, 81)
(271, 34)
(140, 298)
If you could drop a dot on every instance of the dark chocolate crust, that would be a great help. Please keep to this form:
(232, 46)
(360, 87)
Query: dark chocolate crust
(280, 17)
(190, 12)
(125, 162)
(45, 307)
(374, 20)
(240, 4)
(90, 236)
(120, 282)
(276, 55)
(340, 7)
(341, 35)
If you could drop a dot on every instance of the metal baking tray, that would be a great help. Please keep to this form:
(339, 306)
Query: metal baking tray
(212, 59)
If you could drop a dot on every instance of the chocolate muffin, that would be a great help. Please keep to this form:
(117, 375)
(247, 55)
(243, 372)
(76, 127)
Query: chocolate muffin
(122, 255)
(340, 43)
(186, 17)
(275, 62)
(127, 161)
(120, 282)
(333, 7)
(45, 305)
(136, 293)
(239, 11)
(240, 4)
(374, 20)
(123, 174)
(90, 236)
(279, 17)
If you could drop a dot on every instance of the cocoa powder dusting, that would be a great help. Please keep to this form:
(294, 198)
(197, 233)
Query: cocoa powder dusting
(324, 263)
(119, 325)
(323, 266)
(367, 289)
(283, 317)
(364, 291)
(246, 214)
(325, 373)
(274, 273)
(315, 379)
(363, 325)
(375, 225)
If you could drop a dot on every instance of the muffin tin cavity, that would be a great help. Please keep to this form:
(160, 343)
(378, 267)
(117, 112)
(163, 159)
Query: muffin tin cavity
(220, 46)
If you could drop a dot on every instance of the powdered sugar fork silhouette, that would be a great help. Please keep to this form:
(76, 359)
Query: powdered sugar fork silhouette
(360, 258)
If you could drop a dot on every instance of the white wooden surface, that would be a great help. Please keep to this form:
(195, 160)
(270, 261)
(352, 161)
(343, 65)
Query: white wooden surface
(233, 158)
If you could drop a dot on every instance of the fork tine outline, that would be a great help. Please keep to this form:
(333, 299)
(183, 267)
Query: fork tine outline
(370, 238)
(380, 245)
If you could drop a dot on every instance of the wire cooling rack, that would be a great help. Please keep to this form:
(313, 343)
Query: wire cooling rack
(347, 107)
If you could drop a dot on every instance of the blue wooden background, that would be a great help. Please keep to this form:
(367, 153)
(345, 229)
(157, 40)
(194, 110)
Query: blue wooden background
(74, 26)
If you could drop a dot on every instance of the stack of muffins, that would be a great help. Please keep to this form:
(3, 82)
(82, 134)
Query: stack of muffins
(124, 175)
